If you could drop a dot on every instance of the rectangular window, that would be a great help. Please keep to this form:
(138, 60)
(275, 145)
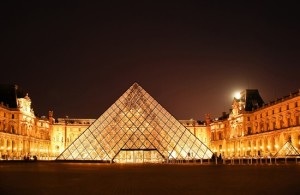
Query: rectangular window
(12, 116)
(249, 130)
(287, 107)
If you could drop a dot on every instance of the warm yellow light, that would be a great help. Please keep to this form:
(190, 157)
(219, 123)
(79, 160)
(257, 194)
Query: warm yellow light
(268, 147)
(237, 95)
(255, 148)
(276, 146)
(248, 148)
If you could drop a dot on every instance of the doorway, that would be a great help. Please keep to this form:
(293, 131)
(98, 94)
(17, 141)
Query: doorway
(138, 156)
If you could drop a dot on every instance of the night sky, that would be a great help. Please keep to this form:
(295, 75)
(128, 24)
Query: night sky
(78, 58)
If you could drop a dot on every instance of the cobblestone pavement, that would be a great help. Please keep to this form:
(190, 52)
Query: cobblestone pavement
(87, 178)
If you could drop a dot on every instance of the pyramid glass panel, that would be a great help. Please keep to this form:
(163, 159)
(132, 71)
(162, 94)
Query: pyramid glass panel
(287, 150)
(136, 128)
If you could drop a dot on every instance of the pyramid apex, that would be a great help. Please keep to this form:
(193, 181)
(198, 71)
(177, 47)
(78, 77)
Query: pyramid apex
(135, 84)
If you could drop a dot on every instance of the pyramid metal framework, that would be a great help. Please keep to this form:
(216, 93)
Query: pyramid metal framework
(287, 150)
(136, 128)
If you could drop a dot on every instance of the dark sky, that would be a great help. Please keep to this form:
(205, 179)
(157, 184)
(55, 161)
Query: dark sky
(78, 58)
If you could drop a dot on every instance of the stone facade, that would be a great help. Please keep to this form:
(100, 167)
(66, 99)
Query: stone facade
(65, 131)
(22, 134)
(260, 132)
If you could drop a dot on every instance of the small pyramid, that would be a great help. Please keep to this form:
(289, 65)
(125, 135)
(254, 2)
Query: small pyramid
(287, 150)
(136, 128)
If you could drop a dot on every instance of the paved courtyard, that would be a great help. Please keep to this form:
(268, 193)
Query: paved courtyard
(86, 178)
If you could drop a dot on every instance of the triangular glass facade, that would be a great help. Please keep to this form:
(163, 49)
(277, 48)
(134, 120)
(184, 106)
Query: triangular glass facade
(136, 128)
(287, 150)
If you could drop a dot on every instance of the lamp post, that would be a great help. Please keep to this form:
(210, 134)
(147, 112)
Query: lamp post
(66, 128)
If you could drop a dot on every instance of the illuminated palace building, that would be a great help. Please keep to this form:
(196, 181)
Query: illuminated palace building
(136, 128)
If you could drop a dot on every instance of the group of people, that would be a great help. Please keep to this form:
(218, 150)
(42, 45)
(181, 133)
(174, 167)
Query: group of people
(214, 156)
(28, 157)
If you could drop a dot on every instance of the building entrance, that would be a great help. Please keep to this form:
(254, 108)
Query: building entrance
(138, 156)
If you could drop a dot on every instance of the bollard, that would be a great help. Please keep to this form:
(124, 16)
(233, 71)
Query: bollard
(285, 160)
(266, 160)
(260, 160)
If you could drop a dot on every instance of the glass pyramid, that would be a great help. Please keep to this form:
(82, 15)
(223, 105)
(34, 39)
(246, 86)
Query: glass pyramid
(287, 150)
(136, 128)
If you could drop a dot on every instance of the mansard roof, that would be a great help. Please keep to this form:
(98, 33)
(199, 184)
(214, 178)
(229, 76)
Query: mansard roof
(252, 99)
(9, 94)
